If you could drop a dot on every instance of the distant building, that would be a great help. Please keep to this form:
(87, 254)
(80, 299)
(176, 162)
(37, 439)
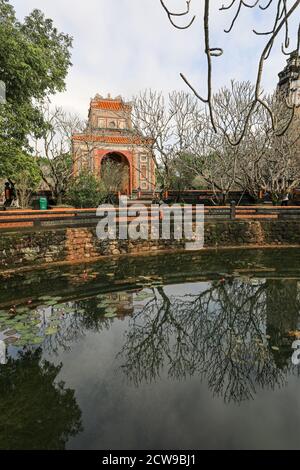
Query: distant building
(289, 79)
(110, 137)
(289, 89)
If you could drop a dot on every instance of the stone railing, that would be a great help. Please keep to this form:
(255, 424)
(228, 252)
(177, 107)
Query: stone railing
(64, 218)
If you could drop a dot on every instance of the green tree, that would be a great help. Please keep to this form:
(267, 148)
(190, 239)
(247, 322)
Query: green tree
(25, 173)
(37, 410)
(34, 61)
(86, 191)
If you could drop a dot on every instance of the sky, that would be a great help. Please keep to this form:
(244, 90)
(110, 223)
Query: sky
(125, 46)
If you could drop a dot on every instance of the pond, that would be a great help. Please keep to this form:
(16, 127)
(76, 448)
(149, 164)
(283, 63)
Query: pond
(177, 351)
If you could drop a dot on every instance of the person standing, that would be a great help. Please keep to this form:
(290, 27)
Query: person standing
(13, 193)
(285, 200)
(7, 195)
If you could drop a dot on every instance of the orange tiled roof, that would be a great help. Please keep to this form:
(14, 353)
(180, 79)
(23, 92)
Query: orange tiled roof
(111, 139)
(110, 105)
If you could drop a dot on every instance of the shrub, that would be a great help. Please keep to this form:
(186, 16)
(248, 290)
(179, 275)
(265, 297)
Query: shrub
(86, 191)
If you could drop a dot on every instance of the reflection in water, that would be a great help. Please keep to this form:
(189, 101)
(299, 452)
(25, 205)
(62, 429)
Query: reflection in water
(36, 411)
(224, 334)
(232, 331)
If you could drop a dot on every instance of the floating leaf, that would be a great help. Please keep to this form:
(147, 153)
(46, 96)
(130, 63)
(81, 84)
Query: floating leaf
(102, 305)
(22, 327)
(28, 337)
(110, 315)
(111, 310)
(275, 348)
(11, 340)
(46, 297)
(19, 318)
(69, 310)
(38, 340)
(10, 322)
(80, 310)
(22, 309)
(143, 296)
(51, 303)
(51, 330)
(10, 333)
(20, 343)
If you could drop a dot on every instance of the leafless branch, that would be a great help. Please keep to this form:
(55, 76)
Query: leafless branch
(281, 22)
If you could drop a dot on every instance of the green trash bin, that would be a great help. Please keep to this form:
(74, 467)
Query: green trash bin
(43, 204)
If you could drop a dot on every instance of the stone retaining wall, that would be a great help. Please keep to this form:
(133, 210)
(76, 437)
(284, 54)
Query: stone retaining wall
(19, 249)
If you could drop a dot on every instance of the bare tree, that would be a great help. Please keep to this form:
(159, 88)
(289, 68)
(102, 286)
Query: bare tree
(282, 14)
(218, 333)
(167, 127)
(55, 148)
(268, 162)
(183, 141)
(114, 177)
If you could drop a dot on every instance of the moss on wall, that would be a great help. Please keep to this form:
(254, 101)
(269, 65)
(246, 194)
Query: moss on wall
(19, 249)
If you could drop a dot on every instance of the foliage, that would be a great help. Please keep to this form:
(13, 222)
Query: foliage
(55, 158)
(182, 177)
(55, 416)
(85, 191)
(25, 174)
(114, 177)
(34, 61)
(57, 174)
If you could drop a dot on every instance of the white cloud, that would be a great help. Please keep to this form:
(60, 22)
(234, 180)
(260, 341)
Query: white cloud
(123, 46)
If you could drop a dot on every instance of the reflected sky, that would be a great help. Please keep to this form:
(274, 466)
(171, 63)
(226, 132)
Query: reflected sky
(140, 360)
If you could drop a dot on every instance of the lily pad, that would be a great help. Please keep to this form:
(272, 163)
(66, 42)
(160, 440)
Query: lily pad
(111, 310)
(46, 297)
(69, 310)
(11, 340)
(10, 333)
(19, 318)
(10, 322)
(22, 309)
(38, 340)
(51, 330)
(51, 303)
(110, 315)
(28, 337)
(143, 296)
(80, 310)
(22, 327)
(20, 343)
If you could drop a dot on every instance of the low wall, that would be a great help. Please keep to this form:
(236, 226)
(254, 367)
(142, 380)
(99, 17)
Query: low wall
(21, 249)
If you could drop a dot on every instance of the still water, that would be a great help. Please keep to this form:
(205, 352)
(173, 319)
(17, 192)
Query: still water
(168, 352)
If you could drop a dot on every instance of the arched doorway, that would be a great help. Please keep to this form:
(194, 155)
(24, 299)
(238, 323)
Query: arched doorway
(115, 172)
